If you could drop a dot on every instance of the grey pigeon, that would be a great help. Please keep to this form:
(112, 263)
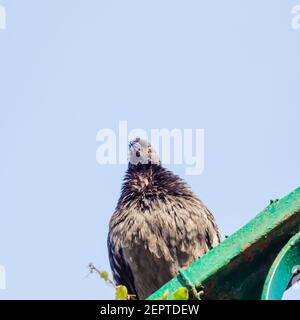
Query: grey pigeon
(158, 227)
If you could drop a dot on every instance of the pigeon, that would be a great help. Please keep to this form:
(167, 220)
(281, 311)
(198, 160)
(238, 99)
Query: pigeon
(159, 225)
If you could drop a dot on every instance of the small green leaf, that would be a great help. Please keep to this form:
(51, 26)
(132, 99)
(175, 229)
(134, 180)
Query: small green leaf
(181, 294)
(104, 275)
(121, 293)
(164, 296)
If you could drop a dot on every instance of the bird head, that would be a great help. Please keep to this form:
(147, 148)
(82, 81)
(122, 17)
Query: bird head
(141, 151)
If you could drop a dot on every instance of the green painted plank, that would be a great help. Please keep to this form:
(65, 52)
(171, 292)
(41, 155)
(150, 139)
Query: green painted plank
(237, 268)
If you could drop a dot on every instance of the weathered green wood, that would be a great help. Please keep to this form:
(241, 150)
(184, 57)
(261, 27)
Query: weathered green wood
(237, 268)
(281, 271)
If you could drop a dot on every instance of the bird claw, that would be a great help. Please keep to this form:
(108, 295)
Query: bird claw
(197, 293)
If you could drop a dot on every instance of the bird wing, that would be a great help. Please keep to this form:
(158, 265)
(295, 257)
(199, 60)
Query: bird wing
(121, 271)
(213, 236)
(195, 233)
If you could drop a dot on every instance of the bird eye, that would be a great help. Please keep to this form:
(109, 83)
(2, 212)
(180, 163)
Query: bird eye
(138, 154)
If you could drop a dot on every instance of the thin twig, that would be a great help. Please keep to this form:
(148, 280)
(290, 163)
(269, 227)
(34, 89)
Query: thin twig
(93, 269)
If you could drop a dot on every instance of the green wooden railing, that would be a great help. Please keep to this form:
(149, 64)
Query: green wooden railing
(256, 262)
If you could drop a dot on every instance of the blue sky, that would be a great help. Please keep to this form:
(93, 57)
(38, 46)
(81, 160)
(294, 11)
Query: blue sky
(68, 70)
